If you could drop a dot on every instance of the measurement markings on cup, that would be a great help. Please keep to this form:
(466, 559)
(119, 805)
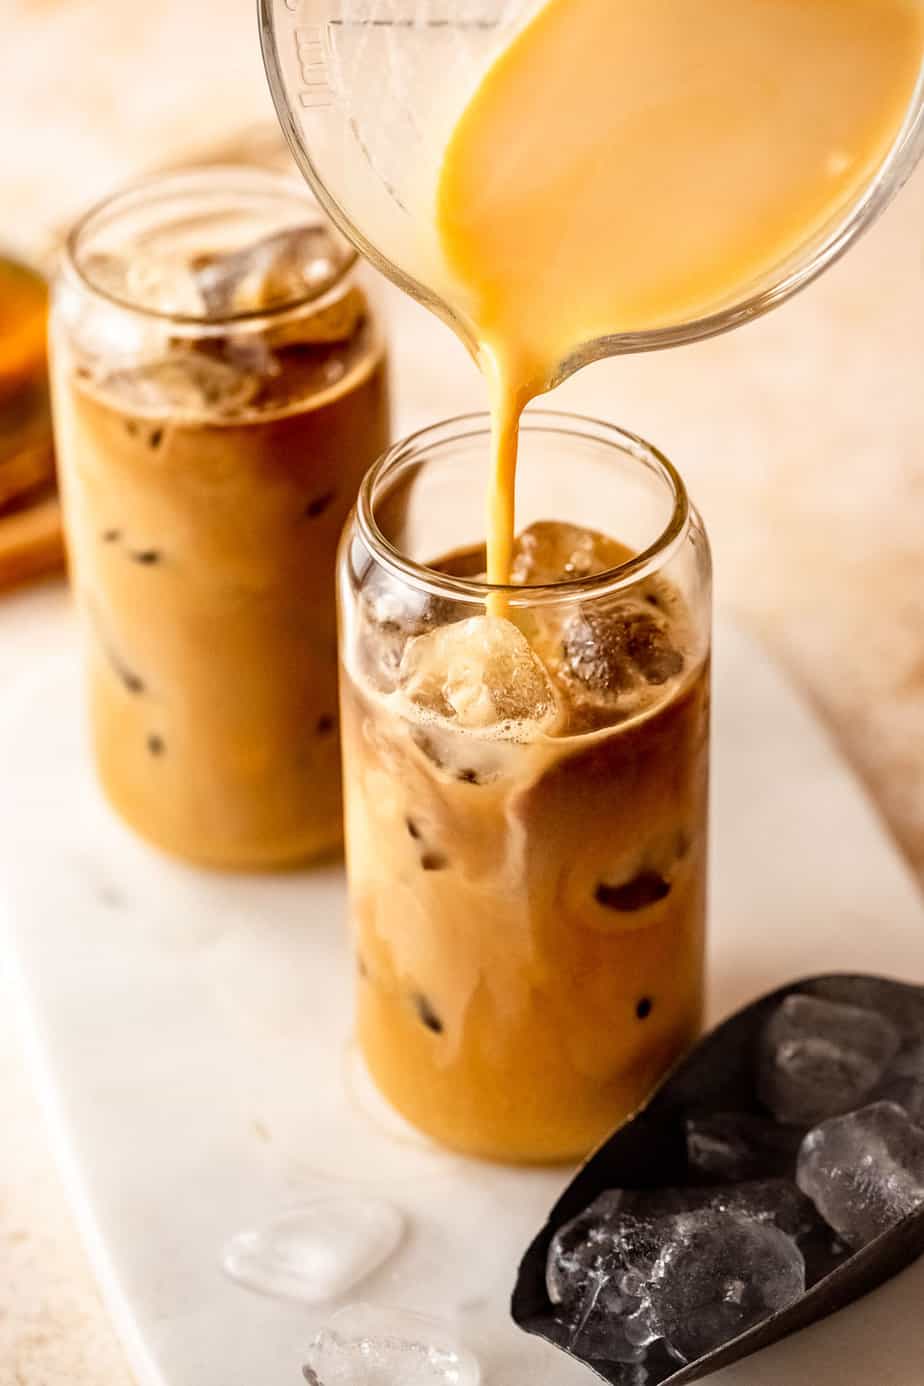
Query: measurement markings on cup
(309, 50)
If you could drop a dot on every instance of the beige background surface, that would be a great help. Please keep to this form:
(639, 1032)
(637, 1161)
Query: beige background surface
(800, 437)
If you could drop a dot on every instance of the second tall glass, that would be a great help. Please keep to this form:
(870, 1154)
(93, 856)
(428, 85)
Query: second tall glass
(220, 389)
(526, 793)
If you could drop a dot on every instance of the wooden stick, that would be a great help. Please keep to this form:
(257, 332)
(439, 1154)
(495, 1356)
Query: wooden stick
(31, 542)
(24, 471)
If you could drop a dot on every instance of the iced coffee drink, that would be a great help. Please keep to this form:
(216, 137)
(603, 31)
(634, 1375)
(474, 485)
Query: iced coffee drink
(219, 392)
(526, 791)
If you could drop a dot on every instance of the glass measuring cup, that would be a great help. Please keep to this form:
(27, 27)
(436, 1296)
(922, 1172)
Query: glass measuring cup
(368, 92)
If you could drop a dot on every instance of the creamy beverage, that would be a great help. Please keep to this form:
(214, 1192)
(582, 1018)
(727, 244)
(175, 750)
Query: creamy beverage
(213, 425)
(628, 164)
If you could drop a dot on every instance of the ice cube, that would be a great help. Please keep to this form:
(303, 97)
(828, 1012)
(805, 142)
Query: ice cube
(776, 1202)
(902, 1006)
(609, 648)
(165, 285)
(290, 265)
(603, 1341)
(107, 273)
(185, 383)
(603, 1264)
(601, 1249)
(392, 612)
(479, 673)
(155, 282)
(317, 1252)
(864, 1171)
(549, 551)
(365, 1345)
(637, 1263)
(736, 1146)
(608, 1335)
(605, 654)
(718, 1274)
(597, 1266)
(576, 1249)
(905, 1092)
(820, 1058)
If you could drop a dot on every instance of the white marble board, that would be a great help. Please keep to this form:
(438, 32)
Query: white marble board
(190, 1035)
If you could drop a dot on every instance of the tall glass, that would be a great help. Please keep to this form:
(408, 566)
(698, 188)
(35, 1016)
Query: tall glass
(219, 389)
(526, 792)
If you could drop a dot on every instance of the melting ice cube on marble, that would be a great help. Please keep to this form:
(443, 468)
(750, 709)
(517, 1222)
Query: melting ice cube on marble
(369, 1345)
(317, 1252)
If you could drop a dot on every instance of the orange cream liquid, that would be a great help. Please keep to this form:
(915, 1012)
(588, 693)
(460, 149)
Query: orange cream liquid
(628, 164)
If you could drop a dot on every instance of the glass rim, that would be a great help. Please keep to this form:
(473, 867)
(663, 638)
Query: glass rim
(425, 442)
(259, 181)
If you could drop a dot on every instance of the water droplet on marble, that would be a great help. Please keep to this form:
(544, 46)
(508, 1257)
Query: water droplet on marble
(316, 1252)
(368, 1345)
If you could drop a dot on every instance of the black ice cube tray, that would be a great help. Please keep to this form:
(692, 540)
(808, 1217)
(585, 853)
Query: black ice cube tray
(649, 1152)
